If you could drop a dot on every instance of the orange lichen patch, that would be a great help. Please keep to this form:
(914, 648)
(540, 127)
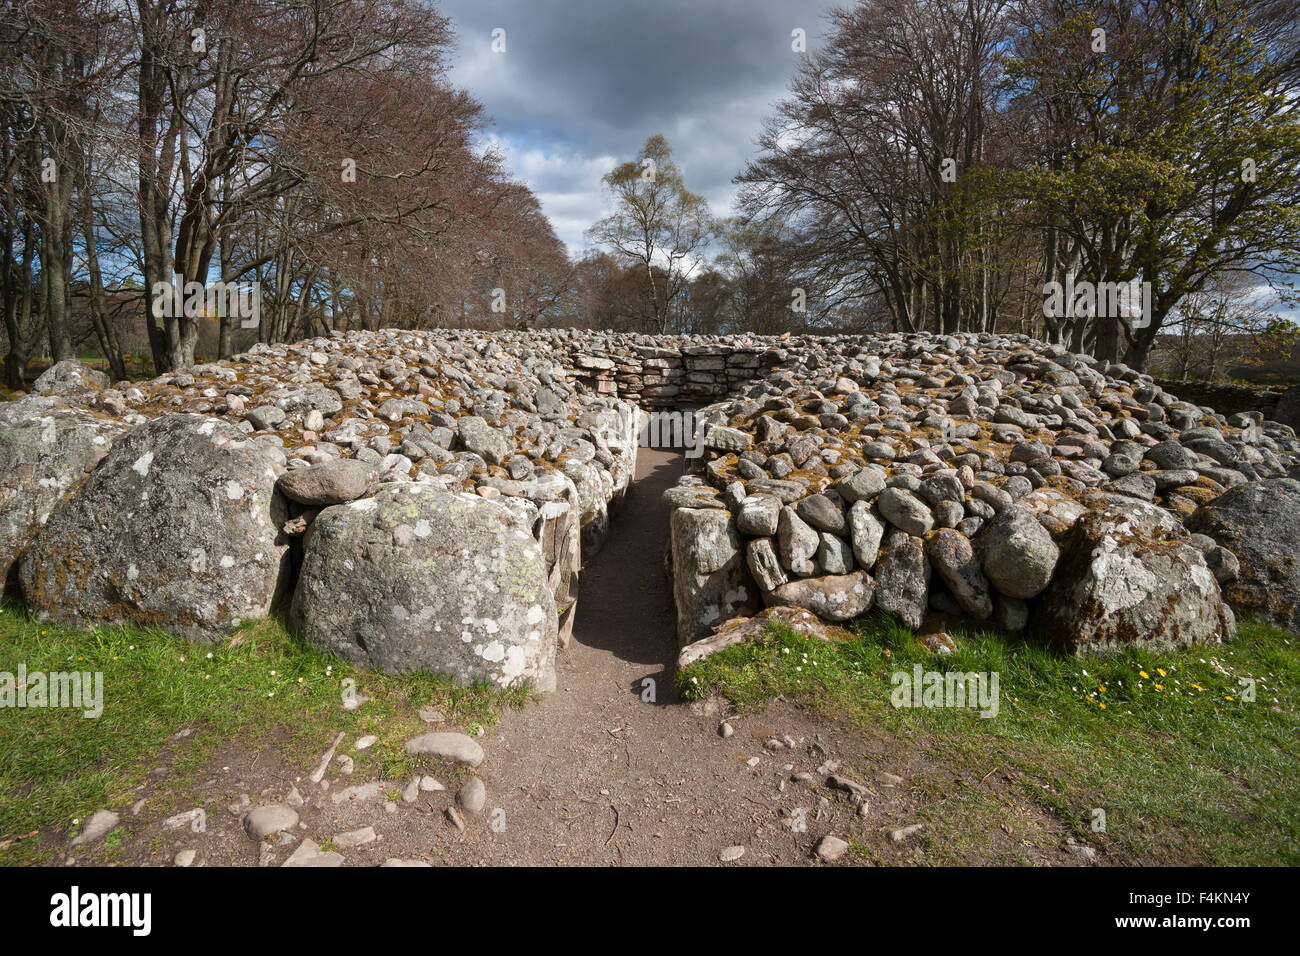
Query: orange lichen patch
(1180, 505)
(1061, 483)
(1199, 493)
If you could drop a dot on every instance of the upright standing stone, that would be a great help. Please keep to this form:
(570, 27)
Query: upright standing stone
(710, 580)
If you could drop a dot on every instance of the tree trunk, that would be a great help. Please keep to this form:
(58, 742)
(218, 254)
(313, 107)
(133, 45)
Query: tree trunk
(53, 264)
(104, 330)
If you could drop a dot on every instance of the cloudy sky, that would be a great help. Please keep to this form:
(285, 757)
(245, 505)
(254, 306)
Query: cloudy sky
(583, 83)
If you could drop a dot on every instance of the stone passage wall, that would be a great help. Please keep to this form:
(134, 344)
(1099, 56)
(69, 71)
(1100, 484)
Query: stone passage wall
(668, 371)
(1226, 398)
(417, 501)
(425, 500)
(983, 477)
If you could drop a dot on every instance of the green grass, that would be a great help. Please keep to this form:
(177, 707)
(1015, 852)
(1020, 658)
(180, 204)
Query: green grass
(261, 688)
(1186, 770)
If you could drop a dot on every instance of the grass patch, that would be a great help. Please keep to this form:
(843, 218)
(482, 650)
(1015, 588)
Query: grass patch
(260, 688)
(1186, 766)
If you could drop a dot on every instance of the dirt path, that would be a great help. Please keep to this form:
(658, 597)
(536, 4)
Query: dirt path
(595, 774)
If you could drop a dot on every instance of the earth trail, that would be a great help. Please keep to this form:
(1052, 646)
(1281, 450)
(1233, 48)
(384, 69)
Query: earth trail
(595, 774)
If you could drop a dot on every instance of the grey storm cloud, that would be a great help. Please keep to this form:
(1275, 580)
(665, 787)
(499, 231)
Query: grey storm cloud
(583, 83)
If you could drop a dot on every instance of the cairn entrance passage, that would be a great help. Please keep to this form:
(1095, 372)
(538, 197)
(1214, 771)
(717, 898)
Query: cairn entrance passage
(603, 728)
(611, 768)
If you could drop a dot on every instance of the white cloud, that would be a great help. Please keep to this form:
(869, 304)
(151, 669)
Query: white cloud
(581, 86)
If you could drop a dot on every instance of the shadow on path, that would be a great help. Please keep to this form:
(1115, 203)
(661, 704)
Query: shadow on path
(625, 605)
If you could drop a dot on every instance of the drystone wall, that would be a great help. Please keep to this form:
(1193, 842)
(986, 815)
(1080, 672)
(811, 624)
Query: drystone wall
(415, 501)
(425, 500)
(1227, 398)
(990, 478)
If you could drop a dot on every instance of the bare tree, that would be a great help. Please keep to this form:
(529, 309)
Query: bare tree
(656, 223)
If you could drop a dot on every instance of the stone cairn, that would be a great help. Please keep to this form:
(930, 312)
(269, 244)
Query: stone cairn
(424, 500)
(981, 477)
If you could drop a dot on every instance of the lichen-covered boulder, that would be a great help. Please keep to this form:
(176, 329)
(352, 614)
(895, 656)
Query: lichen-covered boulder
(40, 460)
(1018, 553)
(559, 535)
(419, 579)
(178, 527)
(711, 582)
(69, 378)
(1259, 522)
(903, 578)
(478, 436)
(595, 487)
(20, 411)
(832, 597)
(1130, 576)
(951, 555)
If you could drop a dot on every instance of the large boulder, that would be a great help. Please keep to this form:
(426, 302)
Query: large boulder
(560, 537)
(711, 582)
(832, 597)
(178, 527)
(903, 578)
(1130, 576)
(40, 461)
(951, 555)
(1259, 522)
(69, 378)
(1017, 552)
(329, 483)
(419, 579)
(595, 488)
(478, 436)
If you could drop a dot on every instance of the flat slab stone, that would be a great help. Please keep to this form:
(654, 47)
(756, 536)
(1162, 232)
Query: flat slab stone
(449, 746)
